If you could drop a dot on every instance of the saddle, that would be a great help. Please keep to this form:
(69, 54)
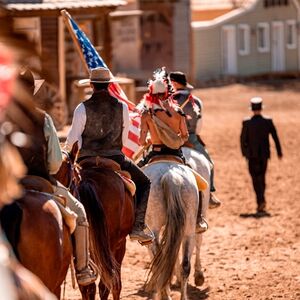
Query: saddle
(42, 185)
(107, 163)
(37, 183)
(201, 182)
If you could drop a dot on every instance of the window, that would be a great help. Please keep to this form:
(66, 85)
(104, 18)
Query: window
(263, 37)
(291, 34)
(270, 3)
(244, 39)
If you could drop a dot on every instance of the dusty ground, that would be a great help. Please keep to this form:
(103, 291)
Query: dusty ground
(243, 257)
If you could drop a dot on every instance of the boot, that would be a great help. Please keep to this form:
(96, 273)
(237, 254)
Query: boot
(261, 208)
(201, 225)
(137, 232)
(214, 202)
(84, 274)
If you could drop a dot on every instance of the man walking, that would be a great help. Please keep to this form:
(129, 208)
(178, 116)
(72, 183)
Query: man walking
(255, 147)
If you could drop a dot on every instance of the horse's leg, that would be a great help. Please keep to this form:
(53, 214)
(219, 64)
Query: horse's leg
(153, 247)
(88, 292)
(198, 276)
(103, 291)
(187, 250)
(177, 273)
(119, 255)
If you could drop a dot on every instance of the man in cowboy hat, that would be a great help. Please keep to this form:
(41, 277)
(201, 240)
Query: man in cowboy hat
(192, 107)
(100, 125)
(255, 147)
(43, 157)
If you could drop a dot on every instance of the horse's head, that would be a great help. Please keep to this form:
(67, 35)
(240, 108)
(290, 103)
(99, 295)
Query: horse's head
(68, 173)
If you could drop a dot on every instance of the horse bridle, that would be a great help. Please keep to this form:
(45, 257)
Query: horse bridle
(73, 168)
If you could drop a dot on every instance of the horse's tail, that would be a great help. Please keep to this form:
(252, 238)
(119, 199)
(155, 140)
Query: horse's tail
(99, 236)
(163, 264)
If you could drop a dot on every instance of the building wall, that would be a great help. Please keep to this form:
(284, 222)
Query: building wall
(49, 45)
(207, 56)
(257, 62)
(206, 61)
(182, 37)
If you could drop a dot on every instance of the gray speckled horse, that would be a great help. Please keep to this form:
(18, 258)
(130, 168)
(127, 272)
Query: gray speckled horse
(200, 164)
(171, 215)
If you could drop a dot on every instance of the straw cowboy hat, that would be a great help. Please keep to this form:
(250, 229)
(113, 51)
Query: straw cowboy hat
(99, 75)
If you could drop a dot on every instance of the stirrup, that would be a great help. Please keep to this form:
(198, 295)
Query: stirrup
(86, 276)
(150, 233)
(146, 242)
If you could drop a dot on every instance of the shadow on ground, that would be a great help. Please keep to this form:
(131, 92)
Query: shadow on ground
(194, 293)
(256, 215)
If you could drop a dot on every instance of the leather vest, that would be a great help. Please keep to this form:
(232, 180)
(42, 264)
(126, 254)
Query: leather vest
(181, 96)
(102, 134)
(35, 154)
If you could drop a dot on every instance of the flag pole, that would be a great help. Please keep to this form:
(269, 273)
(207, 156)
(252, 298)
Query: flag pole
(66, 17)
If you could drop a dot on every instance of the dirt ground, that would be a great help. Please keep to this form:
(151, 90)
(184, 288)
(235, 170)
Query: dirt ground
(243, 257)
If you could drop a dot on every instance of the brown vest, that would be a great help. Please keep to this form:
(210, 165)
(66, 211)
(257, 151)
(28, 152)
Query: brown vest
(102, 134)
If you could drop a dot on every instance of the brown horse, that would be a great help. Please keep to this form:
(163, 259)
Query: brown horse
(40, 239)
(110, 210)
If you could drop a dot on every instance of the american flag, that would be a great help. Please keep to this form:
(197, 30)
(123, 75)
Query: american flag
(93, 60)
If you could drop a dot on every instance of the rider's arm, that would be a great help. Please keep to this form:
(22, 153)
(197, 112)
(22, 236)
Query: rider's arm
(199, 126)
(77, 127)
(54, 156)
(199, 106)
(144, 130)
(125, 123)
(183, 129)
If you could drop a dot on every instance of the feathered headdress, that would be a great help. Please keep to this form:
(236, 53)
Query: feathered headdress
(157, 86)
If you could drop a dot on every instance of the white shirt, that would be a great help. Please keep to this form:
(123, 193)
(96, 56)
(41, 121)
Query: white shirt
(78, 125)
(54, 156)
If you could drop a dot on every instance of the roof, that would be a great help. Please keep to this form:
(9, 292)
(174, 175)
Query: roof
(217, 4)
(48, 5)
(248, 5)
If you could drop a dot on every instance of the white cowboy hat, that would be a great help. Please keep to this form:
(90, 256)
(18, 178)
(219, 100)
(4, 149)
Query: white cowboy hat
(99, 75)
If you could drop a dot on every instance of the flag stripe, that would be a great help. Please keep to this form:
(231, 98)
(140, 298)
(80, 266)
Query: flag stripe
(133, 137)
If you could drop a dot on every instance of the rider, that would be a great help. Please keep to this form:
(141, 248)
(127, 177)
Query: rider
(43, 158)
(159, 107)
(192, 107)
(100, 125)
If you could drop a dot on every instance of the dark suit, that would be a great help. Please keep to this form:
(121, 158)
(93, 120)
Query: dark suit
(255, 147)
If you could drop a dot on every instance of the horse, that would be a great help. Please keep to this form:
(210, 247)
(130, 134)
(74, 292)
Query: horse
(41, 241)
(199, 163)
(16, 281)
(110, 211)
(171, 215)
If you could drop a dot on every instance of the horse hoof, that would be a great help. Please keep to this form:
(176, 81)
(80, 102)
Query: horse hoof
(199, 279)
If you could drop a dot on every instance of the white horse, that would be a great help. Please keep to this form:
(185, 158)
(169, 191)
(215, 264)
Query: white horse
(171, 215)
(199, 163)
